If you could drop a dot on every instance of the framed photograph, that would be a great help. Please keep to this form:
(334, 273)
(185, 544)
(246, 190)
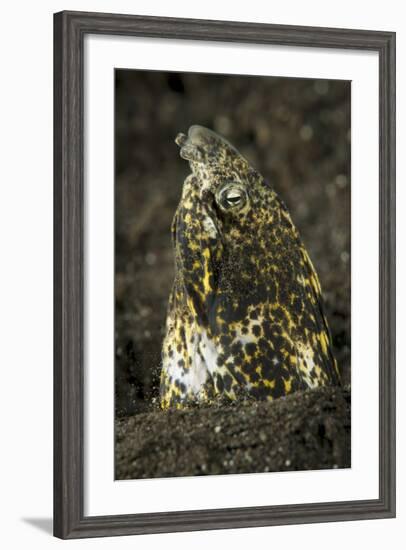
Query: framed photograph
(224, 274)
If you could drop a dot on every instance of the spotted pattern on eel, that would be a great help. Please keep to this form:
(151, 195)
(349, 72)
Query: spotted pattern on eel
(245, 314)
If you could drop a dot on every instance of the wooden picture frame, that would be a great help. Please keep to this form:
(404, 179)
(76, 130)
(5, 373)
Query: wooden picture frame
(69, 31)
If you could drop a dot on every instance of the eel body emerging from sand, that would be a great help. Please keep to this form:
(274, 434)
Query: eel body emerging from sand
(245, 315)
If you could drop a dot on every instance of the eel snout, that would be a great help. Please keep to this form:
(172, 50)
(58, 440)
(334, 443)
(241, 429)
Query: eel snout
(200, 143)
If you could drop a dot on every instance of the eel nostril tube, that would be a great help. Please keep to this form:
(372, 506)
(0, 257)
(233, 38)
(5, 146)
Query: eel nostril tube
(188, 149)
(181, 139)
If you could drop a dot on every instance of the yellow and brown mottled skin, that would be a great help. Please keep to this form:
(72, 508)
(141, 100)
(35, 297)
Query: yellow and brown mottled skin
(245, 313)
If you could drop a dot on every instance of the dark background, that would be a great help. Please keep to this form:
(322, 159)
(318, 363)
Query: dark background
(296, 132)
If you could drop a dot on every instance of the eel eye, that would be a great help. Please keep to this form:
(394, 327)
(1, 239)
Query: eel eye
(231, 196)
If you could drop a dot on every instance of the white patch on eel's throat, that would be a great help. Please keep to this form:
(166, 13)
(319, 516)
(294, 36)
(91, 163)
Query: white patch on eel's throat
(209, 227)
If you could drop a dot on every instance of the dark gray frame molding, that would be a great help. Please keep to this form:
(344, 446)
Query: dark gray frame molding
(69, 31)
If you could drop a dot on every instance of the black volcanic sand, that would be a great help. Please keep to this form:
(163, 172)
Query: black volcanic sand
(296, 132)
(303, 431)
